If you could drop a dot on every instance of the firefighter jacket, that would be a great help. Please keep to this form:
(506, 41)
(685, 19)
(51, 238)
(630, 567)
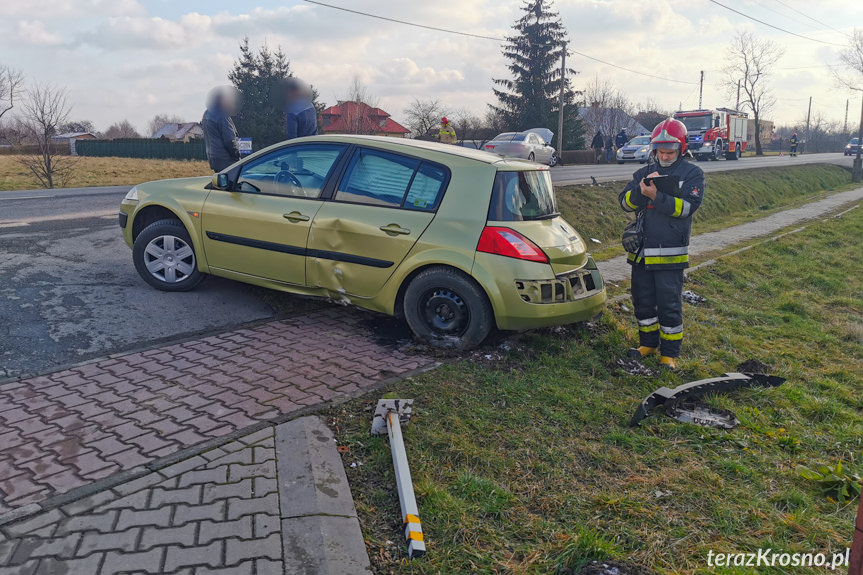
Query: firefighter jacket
(446, 135)
(667, 220)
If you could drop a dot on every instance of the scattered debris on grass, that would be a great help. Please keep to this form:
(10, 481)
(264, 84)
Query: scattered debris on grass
(693, 298)
(596, 241)
(702, 414)
(612, 568)
(753, 366)
(636, 367)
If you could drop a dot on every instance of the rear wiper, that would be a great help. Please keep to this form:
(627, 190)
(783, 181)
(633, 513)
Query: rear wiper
(550, 216)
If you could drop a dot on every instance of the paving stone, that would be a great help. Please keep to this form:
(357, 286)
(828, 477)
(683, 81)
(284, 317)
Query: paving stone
(209, 530)
(239, 507)
(139, 501)
(83, 566)
(147, 561)
(33, 548)
(237, 550)
(238, 472)
(87, 503)
(214, 511)
(101, 522)
(138, 484)
(265, 524)
(131, 518)
(178, 557)
(241, 489)
(154, 536)
(161, 497)
(34, 523)
(324, 544)
(204, 476)
(115, 540)
(268, 567)
(264, 485)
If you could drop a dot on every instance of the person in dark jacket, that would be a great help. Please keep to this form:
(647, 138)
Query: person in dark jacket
(793, 143)
(220, 134)
(301, 116)
(621, 138)
(609, 149)
(596, 144)
(657, 267)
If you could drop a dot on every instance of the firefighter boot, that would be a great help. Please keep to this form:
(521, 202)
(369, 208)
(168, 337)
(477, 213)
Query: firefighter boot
(641, 351)
(668, 362)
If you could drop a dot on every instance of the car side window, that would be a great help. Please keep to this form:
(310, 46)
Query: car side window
(377, 178)
(427, 188)
(295, 171)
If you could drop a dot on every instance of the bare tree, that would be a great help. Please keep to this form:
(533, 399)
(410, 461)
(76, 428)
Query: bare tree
(851, 77)
(160, 120)
(424, 115)
(607, 109)
(357, 109)
(471, 128)
(11, 85)
(750, 61)
(123, 129)
(44, 109)
(79, 126)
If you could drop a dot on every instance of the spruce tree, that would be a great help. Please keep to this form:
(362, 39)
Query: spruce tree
(531, 98)
(257, 75)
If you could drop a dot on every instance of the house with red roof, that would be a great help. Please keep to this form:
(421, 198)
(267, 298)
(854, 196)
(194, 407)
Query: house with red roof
(348, 117)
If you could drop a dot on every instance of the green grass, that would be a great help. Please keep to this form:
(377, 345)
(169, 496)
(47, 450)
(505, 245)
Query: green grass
(730, 198)
(526, 464)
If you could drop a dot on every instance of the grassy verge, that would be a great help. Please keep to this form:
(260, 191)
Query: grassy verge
(103, 172)
(730, 198)
(524, 463)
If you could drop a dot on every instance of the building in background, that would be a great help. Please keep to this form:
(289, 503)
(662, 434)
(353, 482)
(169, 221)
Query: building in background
(72, 137)
(348, 117)
(180, 132)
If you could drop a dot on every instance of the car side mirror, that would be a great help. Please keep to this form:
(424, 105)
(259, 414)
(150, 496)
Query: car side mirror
(220, 181)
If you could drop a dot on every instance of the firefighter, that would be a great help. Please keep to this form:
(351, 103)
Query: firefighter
(446, 134)
(657, 267)
(793, 143)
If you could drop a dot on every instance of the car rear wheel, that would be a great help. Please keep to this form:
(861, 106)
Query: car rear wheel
(553, 161)
(446, 308)
(530, 156)
(165, 257)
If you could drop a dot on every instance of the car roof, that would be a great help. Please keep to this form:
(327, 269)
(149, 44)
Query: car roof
(406, 145)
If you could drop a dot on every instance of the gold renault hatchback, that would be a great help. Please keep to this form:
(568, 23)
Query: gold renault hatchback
(455, 241)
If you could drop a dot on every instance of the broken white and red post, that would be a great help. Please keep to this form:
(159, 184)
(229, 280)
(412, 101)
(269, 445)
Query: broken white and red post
(390, 415)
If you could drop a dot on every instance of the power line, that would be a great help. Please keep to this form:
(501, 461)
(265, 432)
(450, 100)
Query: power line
(776, 27)
(811, 18)
(480, 36)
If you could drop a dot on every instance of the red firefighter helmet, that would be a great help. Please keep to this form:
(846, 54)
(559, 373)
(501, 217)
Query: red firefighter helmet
(669, 134)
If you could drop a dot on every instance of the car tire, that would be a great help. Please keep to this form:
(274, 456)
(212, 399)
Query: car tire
(718, 151)
(530, 157)
(445, 308)
(553, 161)
(165, 257)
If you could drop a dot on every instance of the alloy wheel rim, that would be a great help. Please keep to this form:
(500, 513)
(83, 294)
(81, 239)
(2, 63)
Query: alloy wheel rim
(445, 312)
(169, 259)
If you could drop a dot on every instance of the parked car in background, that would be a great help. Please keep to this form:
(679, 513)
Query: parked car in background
(851, 147)
(456, 241)
(533, 145)
(636, 150)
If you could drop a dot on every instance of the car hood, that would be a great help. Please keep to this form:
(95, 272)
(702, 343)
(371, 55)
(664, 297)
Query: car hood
(543, 133)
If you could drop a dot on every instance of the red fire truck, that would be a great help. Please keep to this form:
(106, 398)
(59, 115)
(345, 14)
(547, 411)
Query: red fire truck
(715, 133)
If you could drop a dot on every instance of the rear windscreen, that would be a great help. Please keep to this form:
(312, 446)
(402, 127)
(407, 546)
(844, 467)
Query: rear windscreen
(519, 196)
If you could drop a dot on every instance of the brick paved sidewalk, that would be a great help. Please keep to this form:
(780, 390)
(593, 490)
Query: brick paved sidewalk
(65, 430)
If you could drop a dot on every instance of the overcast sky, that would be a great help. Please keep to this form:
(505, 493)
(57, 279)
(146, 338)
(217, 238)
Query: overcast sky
(132, 59)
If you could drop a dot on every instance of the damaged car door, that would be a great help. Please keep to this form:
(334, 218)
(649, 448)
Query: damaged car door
(260, 225)
(380, 208)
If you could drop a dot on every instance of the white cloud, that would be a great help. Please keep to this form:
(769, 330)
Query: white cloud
(33, 32)
(62, 9)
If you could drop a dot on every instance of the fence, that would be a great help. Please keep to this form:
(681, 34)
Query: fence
(30, 149)
(143, 148)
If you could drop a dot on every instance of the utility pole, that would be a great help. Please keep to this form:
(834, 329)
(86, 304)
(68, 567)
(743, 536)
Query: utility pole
(808, 115)
(857, 170)
(560, 109)
(700, 89)
(845, 128)
(737, 106)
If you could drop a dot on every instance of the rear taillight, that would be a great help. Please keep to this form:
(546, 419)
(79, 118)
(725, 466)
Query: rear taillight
(509, 243)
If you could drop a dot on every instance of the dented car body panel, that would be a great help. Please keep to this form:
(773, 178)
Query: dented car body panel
(355, 218)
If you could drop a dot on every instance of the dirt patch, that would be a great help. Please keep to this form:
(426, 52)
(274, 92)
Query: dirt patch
(754, 366)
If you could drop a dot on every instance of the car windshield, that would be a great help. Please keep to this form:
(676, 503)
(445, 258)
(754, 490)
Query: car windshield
(505, 137)
(853, 141)
(639, 141)
(696, 123)
(519, 196)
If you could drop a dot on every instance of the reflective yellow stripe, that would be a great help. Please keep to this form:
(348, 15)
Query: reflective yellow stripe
(649, 328)
(411, 518)
(678, 208)
(633, 257)
(651, 261)
(671, 336)
(629, 203)
(415, 535)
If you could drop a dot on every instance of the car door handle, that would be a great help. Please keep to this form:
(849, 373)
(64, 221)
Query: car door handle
(296, 217)
(395, 229)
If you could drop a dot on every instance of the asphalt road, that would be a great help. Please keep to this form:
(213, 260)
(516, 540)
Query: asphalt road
(581, 174)
(69, 290)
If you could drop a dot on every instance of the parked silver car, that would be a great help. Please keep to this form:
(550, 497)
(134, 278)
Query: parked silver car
(533, 145)
(636, 150)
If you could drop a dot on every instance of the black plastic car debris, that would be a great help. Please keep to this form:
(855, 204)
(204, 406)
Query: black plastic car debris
(689, 411)
(694, 389)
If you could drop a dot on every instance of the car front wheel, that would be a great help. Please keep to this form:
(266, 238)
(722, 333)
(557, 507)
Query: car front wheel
(446, 308)
(165, 257)
(553, 161)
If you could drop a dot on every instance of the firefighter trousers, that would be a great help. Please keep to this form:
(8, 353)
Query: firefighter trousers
(656, 296)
